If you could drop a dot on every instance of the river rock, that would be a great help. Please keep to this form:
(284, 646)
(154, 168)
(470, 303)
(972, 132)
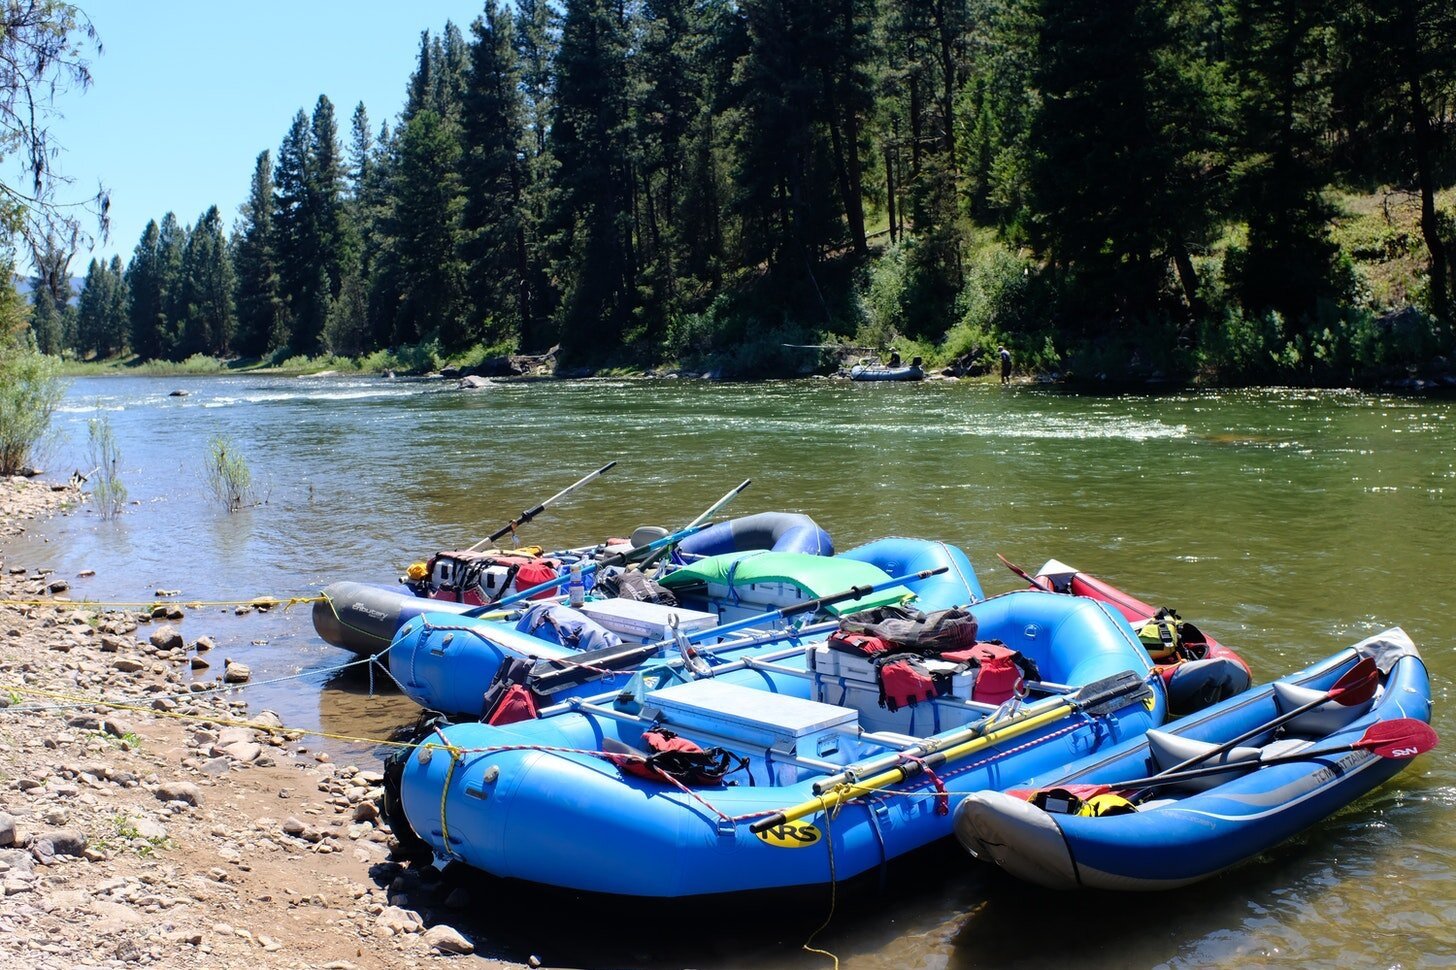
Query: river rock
(7, 829)
(62, 841)
(197, 663)
(166, 637)
(447, 939)
(236, 673)
(244, 751)
(399, 921)
(58, 586)
(179, 791)
(127, 665)
(150, 828)
(203, 644)
(114, 644)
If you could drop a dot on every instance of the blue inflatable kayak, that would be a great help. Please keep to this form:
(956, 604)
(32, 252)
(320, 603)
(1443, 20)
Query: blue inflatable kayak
(822, 782)
(445, 662)
(1093, 831)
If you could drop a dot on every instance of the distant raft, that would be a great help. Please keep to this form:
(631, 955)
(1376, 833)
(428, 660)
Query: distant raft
(771, 773)
(1083, 828)
(885, 372)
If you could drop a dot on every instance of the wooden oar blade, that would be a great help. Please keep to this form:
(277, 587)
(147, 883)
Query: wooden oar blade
(1357, 685)
(1401, 738)
(1024, 574)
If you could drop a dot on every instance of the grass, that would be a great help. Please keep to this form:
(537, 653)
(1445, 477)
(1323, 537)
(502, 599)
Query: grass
(124, 834)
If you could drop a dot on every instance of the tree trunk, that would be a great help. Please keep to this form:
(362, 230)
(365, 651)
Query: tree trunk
(1424, 150)
(1188, 277)
(853, 206)
(890, 190)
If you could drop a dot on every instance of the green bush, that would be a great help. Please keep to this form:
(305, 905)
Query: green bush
(107, 491)
(30, 390)
(227, 476)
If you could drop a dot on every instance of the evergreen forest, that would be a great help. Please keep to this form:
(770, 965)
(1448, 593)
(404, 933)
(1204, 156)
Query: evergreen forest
(1231, 191)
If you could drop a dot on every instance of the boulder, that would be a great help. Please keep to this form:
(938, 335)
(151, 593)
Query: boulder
(179, 791)
(166, 637)
(447, 939)
(236, 673)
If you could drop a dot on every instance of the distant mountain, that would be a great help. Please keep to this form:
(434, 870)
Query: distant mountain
(25, 284)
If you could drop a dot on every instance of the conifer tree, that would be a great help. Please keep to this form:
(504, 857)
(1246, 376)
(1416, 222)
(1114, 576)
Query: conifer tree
(207, 285)
(92, 308)
(261, 324)
(419, 264)
(113, 337)
(499, 277)
(590, 213)
(171, 247)
(144, 284)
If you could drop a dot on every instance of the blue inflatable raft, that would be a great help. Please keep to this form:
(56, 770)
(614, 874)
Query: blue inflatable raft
(365, 618)
(445, 662)
(828, 783)
(1176, 834)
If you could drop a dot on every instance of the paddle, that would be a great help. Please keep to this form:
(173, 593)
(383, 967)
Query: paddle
(552, 677)
(586, 570)
(708, 513)
(1356, 686)
(1036, 583)
(1098, 697)
(1400, 738)
(540, 507)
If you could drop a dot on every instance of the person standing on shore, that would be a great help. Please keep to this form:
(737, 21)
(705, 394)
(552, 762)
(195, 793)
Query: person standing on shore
(1005, 366)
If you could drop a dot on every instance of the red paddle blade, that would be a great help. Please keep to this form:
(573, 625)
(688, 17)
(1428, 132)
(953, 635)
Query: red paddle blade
(1403, 737)
(1357, 685)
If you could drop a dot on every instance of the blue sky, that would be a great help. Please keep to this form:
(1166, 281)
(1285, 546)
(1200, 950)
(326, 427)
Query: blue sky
(186, 94)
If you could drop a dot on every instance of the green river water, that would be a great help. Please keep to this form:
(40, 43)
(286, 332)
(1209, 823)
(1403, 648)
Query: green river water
(1286, 523)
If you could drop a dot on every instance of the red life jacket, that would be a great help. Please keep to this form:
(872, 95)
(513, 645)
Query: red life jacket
(904, 680)
(999, 676)
(857, 644)
(679, 759)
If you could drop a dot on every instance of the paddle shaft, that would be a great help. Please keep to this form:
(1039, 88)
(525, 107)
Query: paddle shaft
(637, 652)
(1157, 781)
(707, 514)
(1025, 575)
(967, 741)
(1284, 718)
(540, 507)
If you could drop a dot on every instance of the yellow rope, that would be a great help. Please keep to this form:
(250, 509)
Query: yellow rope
(833, 886)
(265, 601)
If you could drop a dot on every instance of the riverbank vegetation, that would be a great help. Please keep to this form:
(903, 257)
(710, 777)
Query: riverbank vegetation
(1242, 192)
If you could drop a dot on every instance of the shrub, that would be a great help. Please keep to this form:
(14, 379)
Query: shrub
(107, 491)
(30, 390)
(227, 475)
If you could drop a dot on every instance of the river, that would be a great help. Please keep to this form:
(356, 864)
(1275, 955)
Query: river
(1286, 523)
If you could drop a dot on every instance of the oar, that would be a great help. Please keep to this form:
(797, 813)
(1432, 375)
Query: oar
(629, 654)
(1036, 583)
(1400, 738)
(1356, 686)
(1098, 697)
(707, 514)
(540, 507)
(586, 570)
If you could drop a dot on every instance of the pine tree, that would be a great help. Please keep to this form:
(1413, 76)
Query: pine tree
(45, 320)
(1127, 160)
(113, 337)
(418, 264)
(499, 276)
(260, 306)
(171, 248)
(144, 283)
(91, 308)
(589, 219)
(207, 286)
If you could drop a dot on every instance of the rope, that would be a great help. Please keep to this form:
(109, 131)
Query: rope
(267, 602)
(809, 946)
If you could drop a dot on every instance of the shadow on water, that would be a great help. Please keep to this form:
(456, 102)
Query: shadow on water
(364, 703)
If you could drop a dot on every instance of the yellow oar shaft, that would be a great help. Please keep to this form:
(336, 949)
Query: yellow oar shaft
(838, 796)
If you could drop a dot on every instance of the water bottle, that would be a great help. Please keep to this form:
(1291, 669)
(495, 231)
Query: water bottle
(575, 588)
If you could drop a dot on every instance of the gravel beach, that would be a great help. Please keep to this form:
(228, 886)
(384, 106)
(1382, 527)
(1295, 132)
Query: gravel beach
(171, 828)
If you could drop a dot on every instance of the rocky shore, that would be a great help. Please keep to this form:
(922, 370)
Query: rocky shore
(171, 828)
